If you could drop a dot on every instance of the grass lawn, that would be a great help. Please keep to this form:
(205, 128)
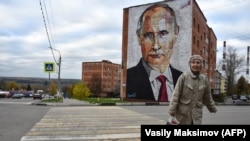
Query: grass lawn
(103, 100)
(52, 100)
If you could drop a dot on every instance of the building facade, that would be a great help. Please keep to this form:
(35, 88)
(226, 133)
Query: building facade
(217, 89)
(195, 37)
(223, 87)
(204, 43)
(103, 78)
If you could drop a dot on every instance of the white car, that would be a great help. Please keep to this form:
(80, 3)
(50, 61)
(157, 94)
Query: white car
(18, 96)
(243, 98)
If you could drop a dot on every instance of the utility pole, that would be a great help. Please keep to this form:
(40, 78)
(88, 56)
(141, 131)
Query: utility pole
(59, 69)
(59, 73)
(248, 51)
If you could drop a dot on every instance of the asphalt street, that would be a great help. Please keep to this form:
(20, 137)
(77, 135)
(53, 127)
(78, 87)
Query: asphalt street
(77, 120)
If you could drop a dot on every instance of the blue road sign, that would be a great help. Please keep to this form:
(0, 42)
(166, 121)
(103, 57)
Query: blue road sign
(49, 67)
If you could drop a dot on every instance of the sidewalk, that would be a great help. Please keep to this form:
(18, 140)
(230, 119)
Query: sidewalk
(75, 102)
(66, 102)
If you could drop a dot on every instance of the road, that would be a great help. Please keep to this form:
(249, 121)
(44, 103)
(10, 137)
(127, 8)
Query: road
(21, 120)
(18, 117)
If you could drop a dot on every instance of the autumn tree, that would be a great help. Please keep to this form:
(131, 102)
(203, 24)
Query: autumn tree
(52, 89)
(12, 86)
(22, 87)
(70, 91)
(67, 92)
(81, 91)
(231, 66)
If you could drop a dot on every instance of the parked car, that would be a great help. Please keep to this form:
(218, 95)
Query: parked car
(37, 96)
(243, 98)
(17, 96)
(28, 95)
(248, 97)
(241, 101)
(234, 97)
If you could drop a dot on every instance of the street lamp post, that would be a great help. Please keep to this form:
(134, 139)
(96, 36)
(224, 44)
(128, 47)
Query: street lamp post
(59, 67)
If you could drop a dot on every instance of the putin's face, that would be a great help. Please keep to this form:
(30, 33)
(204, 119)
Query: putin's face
(157, 36)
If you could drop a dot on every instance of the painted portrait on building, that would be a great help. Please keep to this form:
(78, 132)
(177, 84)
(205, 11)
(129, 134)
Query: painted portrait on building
(157, 36)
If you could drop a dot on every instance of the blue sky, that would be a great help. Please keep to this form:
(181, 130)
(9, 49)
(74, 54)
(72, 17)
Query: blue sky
(91, 30)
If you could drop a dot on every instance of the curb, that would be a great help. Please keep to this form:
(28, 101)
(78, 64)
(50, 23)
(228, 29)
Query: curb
(104, 104)
(125, 104)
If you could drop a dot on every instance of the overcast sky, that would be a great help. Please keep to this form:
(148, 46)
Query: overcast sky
(91, 30)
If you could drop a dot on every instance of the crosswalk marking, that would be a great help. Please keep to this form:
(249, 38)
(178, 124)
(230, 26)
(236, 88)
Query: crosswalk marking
(89, 123)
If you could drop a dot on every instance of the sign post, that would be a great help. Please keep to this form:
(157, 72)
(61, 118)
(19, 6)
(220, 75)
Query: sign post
(48, 68)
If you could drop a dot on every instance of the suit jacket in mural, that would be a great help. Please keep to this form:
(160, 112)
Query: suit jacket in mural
(138, 84)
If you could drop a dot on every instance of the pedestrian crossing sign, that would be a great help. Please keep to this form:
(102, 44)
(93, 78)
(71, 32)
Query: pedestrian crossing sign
(49, 67)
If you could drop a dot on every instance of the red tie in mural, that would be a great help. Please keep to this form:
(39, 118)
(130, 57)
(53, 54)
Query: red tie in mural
(163, 97)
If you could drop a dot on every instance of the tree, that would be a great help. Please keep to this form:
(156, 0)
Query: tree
(28, 87)
(232, 65)
(242, 86)
(12, 86)
(52, 89)
(81, 91)
(248, 89)
(2, 84)
(66, 90)
(70, 91)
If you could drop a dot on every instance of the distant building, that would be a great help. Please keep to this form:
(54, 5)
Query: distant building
(195, 37)
(223, 87)
(217, 89)
(103, 78)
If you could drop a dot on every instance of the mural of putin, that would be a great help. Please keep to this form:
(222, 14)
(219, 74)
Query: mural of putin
(153, 78)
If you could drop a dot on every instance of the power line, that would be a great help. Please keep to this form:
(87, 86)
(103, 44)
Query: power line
(48, 20)
(233, 33)
(224, 5)
(50, 46)
(53, 25)
(45, 24)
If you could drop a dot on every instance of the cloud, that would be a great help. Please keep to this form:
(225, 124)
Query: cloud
(90, 30)
(229, 20)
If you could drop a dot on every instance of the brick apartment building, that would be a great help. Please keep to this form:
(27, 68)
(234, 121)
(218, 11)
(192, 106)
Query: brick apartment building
(204, 42)
(103, 77)
(195, 37)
